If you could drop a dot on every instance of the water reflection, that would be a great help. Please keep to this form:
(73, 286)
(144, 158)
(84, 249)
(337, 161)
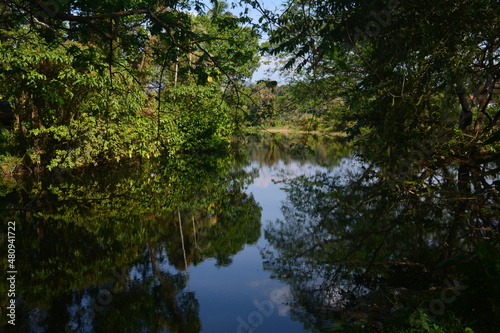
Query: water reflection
(104, 250)
(306, 148)
(353, 245)
(175, 245)
(113, 249)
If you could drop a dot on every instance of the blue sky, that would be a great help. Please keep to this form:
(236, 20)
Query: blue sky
(266, 62)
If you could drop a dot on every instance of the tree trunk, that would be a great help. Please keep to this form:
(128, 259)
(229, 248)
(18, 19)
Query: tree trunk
(466, 114)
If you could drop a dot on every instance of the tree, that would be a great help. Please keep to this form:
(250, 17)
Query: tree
(417, 78)
(411, 73)
(89, 81)
(219, 8)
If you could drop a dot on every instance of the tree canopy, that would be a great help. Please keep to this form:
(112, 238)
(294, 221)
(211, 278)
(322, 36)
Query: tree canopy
(406, 69)
(91, 82)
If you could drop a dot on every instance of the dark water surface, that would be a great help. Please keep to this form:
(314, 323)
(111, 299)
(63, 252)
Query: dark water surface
(284, 235)
(101, 250)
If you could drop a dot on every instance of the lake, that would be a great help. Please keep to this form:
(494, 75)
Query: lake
(284, 234)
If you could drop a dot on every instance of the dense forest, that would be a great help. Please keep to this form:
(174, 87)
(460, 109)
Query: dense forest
(85, 83)
(412, 87)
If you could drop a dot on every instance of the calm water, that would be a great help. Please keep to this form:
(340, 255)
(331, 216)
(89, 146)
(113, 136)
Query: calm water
(102, 250)
(283, 235)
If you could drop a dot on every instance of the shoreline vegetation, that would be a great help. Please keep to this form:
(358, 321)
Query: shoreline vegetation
(286, 130)
(101, 83)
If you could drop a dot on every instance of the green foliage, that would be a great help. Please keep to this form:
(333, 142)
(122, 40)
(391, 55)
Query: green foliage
(406, 93)
(9, 164)
(196, 118)
(78, 225)
(422, 323)
(70, 111)
(7, 147)
(304, 105)
(232, 48)
(481, 272)
(102, 82)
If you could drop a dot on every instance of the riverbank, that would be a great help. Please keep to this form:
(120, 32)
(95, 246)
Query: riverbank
(287, 130)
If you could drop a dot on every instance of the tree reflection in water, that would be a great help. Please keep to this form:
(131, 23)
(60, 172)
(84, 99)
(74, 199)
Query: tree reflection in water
(101, 250)
(352, 247)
